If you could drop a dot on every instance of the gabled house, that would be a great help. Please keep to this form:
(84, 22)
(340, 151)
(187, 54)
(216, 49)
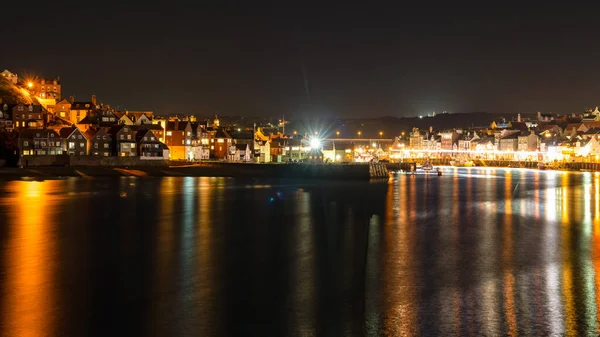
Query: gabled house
(262, 151)
(509, 142)
(74, 141)
(242, 153)
(528, 142)
(222, 143)
(178, 138)
(124, 119)
(149, 146)
(28, 116)
(123, 138)
(100, 143)
(39, 142)
(79, 110)
(63, 109)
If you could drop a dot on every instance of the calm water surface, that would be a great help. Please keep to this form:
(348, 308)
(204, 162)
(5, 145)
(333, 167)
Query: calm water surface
(474, 252)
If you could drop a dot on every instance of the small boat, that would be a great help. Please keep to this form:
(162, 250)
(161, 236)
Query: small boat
(462, 163)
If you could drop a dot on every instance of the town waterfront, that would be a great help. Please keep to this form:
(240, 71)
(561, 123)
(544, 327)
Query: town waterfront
(477, 251)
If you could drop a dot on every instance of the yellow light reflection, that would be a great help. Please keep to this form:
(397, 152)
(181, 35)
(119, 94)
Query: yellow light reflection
(507, 259)
(398, 272)
(30, 296)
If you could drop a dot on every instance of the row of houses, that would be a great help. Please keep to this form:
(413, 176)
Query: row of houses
(551, 138)
(119, 140)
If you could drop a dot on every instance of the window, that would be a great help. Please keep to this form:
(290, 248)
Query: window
(182, 142)
(87, 105)
(145, 139)
(169, 133)
(98, 137)
(82, 144)
(17, 124)
(188, 142)
(106, 146)
(151, 138)
(133, 146)
(71, 145)
(20, 108)
(25, 143)
(37, 135)
(189, 133)
(62, 114)
(156, 146)
(122, 137)
(125, 129)
(95, 145)
(51, 135)
(26, 152)
(128, 136)
(103, 137)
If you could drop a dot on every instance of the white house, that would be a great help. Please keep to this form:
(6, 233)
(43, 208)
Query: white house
(242, 153)
(589, 148)
(199, 153)
(528, 142)
(262, 151)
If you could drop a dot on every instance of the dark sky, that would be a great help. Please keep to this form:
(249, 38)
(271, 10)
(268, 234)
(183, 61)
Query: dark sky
(369, 60)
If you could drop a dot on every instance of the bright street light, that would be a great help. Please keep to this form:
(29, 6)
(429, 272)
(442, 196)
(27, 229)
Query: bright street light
(30, 84)
(315, 143)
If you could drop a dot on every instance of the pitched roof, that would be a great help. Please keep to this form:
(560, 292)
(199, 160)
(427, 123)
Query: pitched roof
(66, 132)
(86, 120)
(241, 147)
(222, 134)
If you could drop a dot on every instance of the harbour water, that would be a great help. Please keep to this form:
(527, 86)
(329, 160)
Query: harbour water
(472, 252)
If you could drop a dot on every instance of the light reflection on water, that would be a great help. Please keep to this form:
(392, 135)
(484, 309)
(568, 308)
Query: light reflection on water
(476, 251)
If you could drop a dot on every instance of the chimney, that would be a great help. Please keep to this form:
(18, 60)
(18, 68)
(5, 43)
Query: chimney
(94, 99)
(519, 118)
(71, 99)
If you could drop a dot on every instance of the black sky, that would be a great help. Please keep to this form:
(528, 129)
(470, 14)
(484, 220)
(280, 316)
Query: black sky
(371, 60)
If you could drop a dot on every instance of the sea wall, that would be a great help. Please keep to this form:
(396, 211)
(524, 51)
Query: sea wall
(324, 171)
(64, 160)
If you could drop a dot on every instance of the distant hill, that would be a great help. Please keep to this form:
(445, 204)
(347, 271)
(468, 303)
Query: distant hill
(394, 126)
(12, 94)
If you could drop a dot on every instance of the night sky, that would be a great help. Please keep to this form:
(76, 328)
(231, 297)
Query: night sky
(253, 60)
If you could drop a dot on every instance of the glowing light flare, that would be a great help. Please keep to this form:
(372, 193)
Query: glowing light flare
(315, 143)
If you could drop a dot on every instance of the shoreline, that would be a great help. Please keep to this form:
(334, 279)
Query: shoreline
(233, 170)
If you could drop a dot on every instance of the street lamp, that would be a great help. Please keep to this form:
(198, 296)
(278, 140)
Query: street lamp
(30, 85)
(380, 134)
(337, 133)
(359, 133)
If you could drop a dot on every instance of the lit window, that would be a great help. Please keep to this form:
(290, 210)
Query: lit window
(151, 138)
(169, 133)
(220, 140)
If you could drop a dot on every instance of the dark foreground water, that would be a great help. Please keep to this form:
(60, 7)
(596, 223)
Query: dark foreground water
(474, 252)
